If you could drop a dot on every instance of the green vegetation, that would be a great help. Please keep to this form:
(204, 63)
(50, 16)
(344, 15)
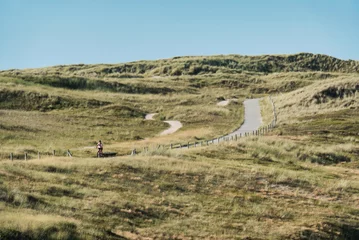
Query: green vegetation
(300, 181)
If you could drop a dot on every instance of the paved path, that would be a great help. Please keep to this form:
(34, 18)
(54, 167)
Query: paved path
(174, 125)
(252, 121)
(252, 118)
(225, 102)
(150, 116)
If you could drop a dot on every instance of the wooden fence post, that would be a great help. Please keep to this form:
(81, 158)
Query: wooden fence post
(11, 157)
(207, 142)
(69, 153)
(25, 156)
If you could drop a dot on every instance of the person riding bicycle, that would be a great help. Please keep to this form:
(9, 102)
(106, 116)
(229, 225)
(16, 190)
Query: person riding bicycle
(100, 148)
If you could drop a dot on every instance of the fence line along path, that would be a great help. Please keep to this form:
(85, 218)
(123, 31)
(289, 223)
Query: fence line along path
(252, 118)
(252, 121)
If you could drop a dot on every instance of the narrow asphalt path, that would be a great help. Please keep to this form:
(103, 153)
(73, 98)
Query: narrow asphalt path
(252, 118)
(252, 121)
(174, 125)
(225, 102)
(150, 116)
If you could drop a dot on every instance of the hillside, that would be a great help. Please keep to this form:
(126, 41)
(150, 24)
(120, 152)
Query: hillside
(302, 62)
(299, 181)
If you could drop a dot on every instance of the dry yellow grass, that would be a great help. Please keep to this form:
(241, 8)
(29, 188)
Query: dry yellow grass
(332, 95)
(288, 184)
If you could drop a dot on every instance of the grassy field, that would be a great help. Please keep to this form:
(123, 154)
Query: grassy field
(38, 117)
(300, 181)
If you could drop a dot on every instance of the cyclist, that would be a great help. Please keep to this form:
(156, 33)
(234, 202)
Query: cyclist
(100, 149)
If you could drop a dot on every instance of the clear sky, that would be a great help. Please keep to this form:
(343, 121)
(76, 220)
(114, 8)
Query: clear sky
(40, 33)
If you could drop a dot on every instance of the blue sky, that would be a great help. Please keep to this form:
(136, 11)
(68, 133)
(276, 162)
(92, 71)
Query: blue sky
(40, 33)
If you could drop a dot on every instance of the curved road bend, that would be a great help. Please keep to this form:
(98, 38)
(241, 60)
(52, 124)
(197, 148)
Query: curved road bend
(174, 125)
(252, 119)
(150, 116)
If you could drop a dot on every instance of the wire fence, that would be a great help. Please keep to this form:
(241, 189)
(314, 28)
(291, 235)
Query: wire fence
(29, 155)
(226, 138)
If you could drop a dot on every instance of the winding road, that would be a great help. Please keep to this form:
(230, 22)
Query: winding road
(252, 119)
(174, 125)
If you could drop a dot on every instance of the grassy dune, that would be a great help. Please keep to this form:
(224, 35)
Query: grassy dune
(255, 188)
(300, 181)
(61, 118)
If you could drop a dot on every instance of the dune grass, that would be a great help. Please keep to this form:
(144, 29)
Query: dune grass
(114, 117)
(251, 188)
(299, 181)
